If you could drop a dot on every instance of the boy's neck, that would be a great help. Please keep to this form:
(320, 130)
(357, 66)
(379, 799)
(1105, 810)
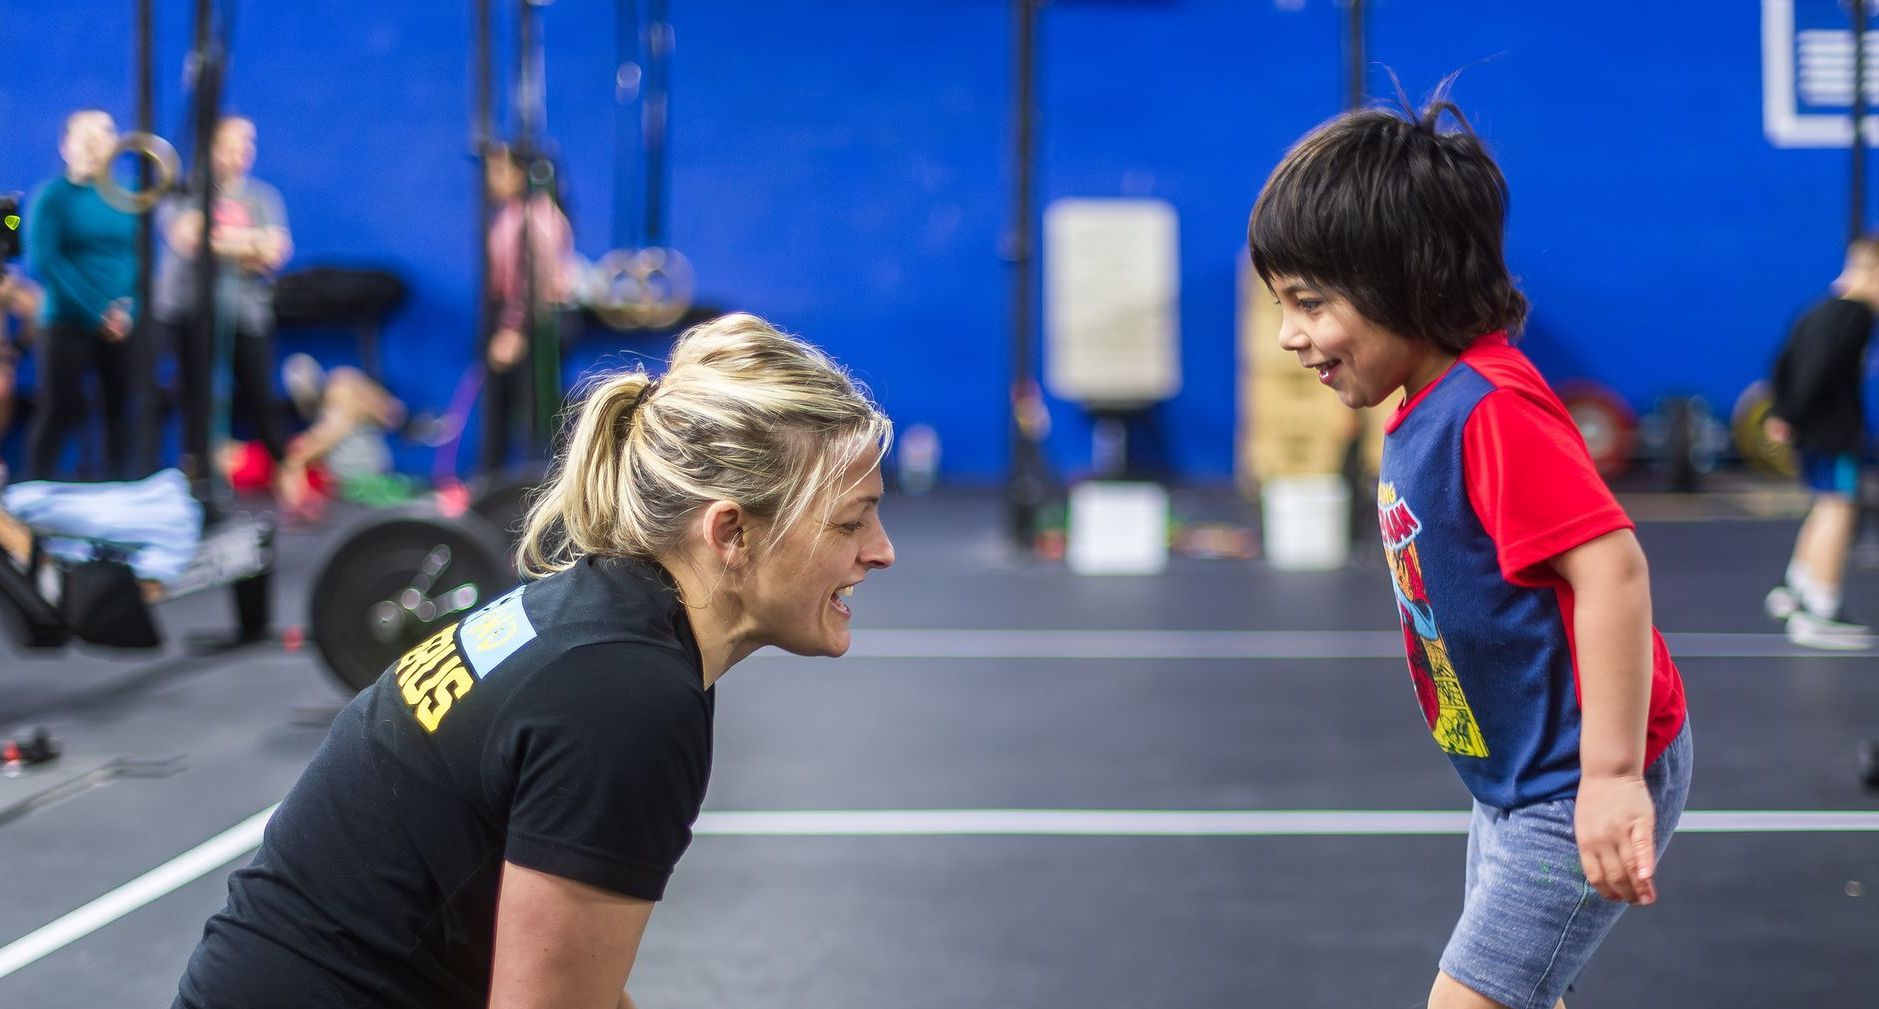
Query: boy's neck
(1863, 295)
(1433, 365)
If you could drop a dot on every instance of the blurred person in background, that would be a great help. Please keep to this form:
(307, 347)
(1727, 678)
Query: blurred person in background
(19, 317)
(85, 252)
(1817, 410)
(507, 388)
(251, 242)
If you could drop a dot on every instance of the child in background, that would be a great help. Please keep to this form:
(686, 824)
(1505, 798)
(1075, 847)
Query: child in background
(1817, 409)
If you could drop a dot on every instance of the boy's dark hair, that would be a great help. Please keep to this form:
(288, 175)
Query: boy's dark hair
(1382, 209)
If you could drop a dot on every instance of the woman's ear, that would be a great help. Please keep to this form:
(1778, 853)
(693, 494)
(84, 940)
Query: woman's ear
(724, 527)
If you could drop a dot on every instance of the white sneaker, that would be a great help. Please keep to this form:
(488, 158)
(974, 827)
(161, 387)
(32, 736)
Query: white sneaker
(305, 381)
(1781, 602)
(1811, 630)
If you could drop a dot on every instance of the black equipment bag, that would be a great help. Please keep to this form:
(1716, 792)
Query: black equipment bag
(103, 605)
(336, 296)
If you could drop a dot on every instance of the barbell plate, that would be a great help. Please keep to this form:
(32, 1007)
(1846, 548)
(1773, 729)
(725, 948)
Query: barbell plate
(396, 578)
(1606, 422)
(1747, 428)
(503, 500)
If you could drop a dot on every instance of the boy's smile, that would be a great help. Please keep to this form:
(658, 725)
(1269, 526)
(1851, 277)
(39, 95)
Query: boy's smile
(1361, 362)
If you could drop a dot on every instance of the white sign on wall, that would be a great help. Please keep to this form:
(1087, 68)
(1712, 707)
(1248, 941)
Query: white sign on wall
(1807, 73)
(1111, 288)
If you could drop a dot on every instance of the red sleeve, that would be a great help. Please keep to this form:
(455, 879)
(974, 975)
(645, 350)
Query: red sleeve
(1532, 483)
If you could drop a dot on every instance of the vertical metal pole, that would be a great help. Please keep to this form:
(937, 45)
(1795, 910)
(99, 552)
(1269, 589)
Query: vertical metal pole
(1357, 479)
(144, 336)
(524, 149)
(653, 119)
(1856, 213)
(544, 351)
(1025, 487)
(482, 141)
(1354, 87)
(629, 86)
(211, 345)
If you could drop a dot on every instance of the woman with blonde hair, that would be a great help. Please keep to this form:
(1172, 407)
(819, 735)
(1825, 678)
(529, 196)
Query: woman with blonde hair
(491, 823)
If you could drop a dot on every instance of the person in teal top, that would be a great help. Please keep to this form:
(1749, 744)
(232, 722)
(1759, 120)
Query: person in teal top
(85, 252)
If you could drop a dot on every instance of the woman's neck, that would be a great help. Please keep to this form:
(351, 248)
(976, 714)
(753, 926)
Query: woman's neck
(719, 626)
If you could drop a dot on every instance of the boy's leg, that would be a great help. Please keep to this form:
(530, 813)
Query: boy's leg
(1532, 922)
(1449, 993)
(1826, 537)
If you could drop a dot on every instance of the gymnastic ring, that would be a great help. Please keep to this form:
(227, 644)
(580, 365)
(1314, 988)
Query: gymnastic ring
(162, 157)
(647, 288)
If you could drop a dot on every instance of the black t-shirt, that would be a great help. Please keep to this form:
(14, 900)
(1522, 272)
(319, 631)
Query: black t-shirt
(564, 727)
(1817, 378)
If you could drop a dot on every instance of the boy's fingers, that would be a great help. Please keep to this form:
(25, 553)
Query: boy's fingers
(1643, 850)
(1646, 858)
(1597, 872)
(1623, 886)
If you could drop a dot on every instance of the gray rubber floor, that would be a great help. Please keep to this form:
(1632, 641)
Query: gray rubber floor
(1290, 695)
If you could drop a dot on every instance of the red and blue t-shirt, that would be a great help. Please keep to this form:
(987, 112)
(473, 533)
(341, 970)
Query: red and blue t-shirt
(1484, 480)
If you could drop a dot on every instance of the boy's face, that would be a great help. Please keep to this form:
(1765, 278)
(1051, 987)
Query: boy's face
(1360, 361)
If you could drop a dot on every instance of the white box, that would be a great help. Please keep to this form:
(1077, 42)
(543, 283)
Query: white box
(1118, 528)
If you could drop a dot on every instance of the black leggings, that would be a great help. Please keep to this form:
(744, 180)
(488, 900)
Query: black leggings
(66, 352)
(252, 397)
(508, 402)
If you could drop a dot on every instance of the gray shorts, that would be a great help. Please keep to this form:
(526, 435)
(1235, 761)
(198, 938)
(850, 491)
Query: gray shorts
(1529, 921)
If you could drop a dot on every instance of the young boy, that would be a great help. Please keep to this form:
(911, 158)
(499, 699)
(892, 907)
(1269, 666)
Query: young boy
(1524, 598)
(1817, 409)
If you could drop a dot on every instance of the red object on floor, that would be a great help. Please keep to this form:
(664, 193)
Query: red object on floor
(253, 470)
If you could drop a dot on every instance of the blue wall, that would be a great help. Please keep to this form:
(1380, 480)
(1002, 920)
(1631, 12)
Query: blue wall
(842, 167)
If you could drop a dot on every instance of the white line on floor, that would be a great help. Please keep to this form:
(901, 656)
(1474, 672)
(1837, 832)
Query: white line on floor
(1207, 823)
(1161, 644)
(172, 875)
(245, 836)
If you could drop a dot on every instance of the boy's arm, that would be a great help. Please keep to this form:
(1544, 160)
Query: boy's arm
(1612, 634)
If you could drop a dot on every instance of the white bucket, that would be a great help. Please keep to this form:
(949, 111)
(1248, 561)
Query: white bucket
(1117, 528)
(1307, 522)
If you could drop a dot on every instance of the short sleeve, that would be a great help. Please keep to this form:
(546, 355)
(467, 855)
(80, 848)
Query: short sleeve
(608, 753)
(1532, 483)
(274, 207)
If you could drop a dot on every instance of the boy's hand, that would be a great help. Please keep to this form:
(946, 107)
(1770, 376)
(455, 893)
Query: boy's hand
(1615, 823)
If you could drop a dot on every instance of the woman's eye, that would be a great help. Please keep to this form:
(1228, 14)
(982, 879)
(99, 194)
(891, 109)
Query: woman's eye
(850, 527)
(1310, 304)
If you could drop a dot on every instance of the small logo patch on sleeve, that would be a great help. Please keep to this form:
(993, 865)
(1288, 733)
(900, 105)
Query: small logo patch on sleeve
(496, 632)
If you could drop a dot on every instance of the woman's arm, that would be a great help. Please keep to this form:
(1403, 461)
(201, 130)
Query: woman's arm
(562, 944)
(1612, 637)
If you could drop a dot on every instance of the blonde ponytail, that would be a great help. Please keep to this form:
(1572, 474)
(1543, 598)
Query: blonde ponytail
(744, 413)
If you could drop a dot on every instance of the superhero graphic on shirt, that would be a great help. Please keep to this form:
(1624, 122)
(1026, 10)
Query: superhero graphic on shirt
(1444, 705)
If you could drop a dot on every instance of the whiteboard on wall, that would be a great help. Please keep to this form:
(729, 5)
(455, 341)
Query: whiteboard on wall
(1112, 286)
